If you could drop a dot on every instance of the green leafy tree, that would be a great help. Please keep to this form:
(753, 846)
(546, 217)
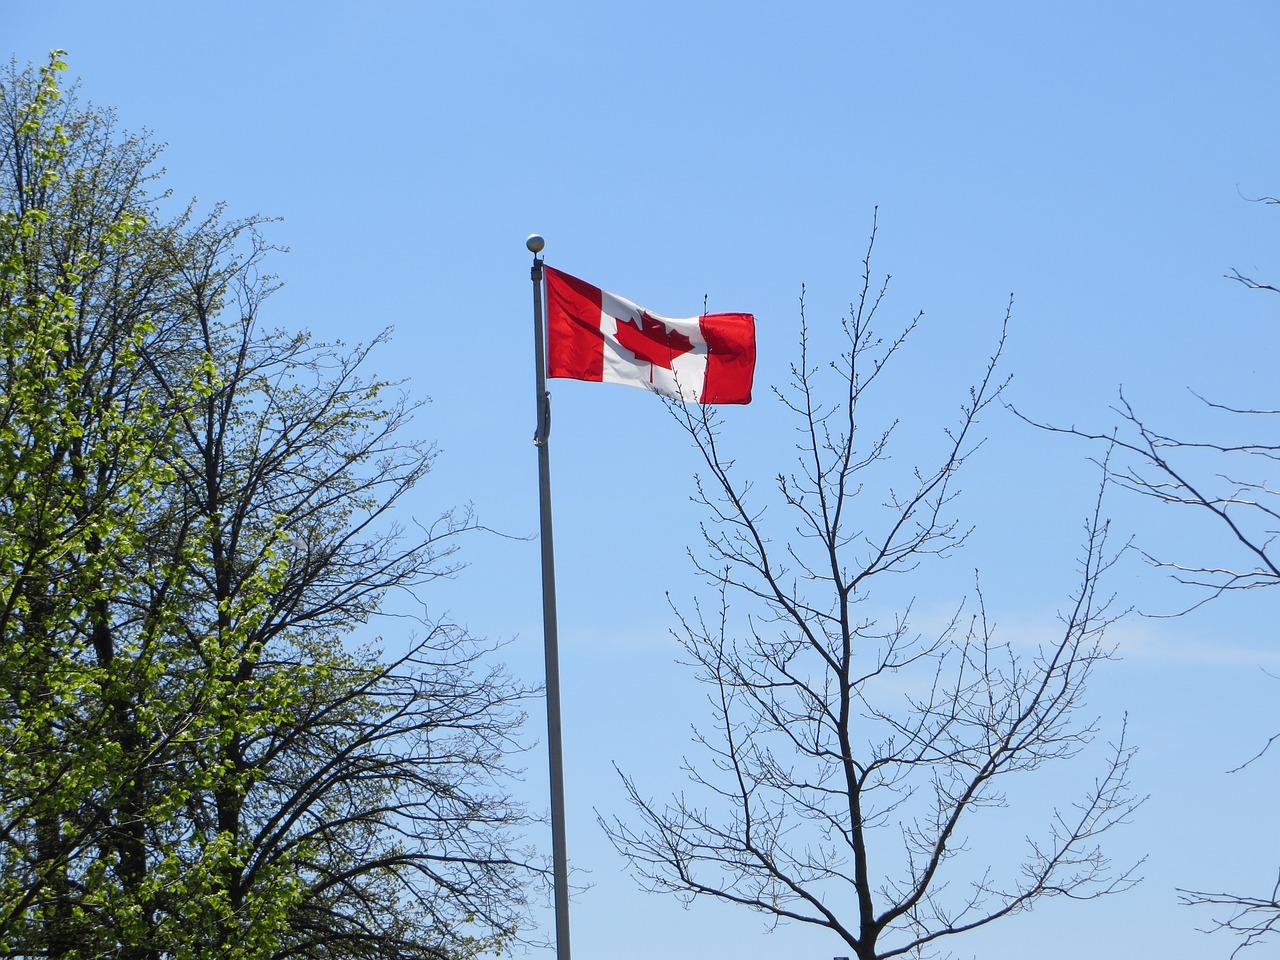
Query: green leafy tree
(196, 519)
(86, 456)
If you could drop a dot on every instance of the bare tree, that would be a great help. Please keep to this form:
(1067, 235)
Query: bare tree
(1230, 483)
(853, 754)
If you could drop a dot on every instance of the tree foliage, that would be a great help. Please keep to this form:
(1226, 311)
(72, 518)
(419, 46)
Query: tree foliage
(194, 521)
(853, 753)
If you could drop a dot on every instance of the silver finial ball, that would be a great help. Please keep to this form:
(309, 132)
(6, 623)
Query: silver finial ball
(535, 243)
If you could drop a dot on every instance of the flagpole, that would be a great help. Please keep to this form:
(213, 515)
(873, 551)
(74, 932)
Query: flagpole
(541, 436)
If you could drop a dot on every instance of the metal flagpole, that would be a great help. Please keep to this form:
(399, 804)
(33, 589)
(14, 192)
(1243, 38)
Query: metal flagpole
(541, 436)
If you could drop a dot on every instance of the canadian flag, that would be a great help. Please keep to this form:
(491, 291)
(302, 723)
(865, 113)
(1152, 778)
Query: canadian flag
(594, 335)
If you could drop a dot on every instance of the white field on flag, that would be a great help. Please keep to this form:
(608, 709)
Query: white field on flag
(687, 374)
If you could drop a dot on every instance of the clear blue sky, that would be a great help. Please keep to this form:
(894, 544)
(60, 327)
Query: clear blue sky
(1091, 158)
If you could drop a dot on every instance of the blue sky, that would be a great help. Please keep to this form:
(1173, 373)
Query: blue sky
(1093, 159)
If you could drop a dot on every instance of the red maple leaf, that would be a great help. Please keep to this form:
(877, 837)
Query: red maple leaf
(651, 341)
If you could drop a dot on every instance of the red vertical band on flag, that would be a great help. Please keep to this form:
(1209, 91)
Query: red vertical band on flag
(575, 345)
(731, 357)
